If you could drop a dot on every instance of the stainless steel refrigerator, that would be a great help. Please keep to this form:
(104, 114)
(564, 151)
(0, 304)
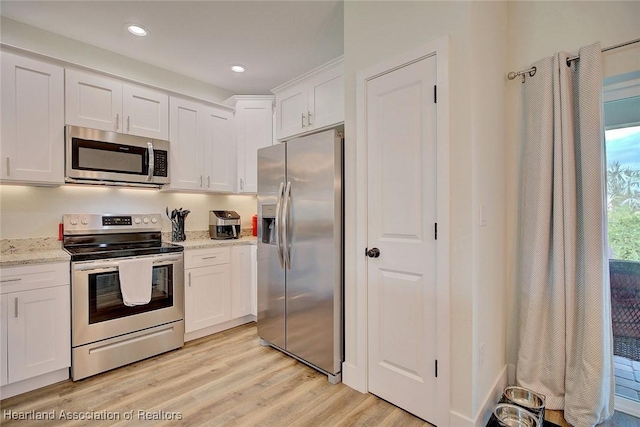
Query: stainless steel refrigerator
(300, 250)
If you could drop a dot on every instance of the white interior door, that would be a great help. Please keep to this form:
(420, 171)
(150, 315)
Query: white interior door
(402, 310)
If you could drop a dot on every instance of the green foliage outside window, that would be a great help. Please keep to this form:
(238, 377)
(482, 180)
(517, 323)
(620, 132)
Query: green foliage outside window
(623, 197)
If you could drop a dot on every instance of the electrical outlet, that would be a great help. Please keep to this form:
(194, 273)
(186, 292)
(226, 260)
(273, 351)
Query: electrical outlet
(481, 354)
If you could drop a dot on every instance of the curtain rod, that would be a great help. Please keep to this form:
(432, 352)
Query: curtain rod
(532, 71)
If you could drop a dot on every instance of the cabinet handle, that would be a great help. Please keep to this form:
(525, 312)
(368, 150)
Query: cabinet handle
(209, 257)
(15, 300)
(200, 180)
(8, 166)
(209, 181)
(117, 121)
(303, 121)
(128, 123)
(11, 280)
(241, 184)
(189, 279)
(309, 118)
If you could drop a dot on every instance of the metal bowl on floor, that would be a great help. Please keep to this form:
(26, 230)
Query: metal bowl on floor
(509, 415)
(524, 397)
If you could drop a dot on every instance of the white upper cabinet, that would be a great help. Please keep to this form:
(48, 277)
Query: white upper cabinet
(220, 150)
(187, 145)
(32, 121)
(202, 148)
(311, 102)
(100, 102)
(253, 130)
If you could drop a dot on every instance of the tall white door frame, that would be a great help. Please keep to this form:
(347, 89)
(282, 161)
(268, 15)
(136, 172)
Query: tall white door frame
(355, 369)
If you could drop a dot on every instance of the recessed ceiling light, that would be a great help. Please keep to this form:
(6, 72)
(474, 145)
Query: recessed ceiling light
(237, 68)
(137, 30)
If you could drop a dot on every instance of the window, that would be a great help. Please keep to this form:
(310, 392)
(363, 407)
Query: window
(622, 142)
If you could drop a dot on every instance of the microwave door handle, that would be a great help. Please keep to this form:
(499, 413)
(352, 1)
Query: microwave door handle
(151, 161)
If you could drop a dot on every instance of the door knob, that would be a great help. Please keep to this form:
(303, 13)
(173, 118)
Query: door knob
(373, 253)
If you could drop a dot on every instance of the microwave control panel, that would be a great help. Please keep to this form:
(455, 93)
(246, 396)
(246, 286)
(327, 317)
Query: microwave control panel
(160, 163)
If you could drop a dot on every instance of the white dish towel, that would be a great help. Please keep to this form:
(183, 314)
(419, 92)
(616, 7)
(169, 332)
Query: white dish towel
(135, 280)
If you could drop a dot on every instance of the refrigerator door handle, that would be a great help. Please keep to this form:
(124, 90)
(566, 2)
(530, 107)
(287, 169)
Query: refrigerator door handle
(278, 226)
(285, 226)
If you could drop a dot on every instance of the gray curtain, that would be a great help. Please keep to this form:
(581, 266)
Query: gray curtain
(565, 340)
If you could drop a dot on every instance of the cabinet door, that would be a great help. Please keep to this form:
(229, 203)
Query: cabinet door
(32, 121)
(207, 297)
(219, 150)
(254, 127)
(145, 112)
(3, 340)
(186, 138)
(254, 280)
(93, 101)
(326, 99)
(291, 112)
(241, 274)
(39, 332)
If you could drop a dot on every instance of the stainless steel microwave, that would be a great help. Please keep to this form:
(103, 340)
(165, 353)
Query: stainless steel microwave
(101, 157)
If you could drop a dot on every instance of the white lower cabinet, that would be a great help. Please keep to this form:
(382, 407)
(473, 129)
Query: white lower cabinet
(241, 300)
(207, 297)
(219, 289)
(36, 322)
(38, 332)
(4, 366)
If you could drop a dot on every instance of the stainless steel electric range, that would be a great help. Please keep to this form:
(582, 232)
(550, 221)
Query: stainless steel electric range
(106, 332)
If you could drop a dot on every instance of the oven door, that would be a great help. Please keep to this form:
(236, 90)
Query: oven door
(98, 311)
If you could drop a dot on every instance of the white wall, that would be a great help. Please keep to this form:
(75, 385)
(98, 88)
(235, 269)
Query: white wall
(24, 36)
(28, 211)
(537, 30)
(375, 31)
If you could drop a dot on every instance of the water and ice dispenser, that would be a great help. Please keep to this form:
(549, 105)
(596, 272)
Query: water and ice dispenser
(268, 224)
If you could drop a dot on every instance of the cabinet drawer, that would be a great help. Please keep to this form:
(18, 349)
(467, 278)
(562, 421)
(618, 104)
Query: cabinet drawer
(206, 257)
(24, 278)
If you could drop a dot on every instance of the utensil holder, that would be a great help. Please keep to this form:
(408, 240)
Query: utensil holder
(177, 231)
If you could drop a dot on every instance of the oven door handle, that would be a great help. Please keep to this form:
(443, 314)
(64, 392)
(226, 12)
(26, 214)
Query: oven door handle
(113, 265)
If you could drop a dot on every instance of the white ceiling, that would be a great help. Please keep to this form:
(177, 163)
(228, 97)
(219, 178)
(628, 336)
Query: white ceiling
(275, 40)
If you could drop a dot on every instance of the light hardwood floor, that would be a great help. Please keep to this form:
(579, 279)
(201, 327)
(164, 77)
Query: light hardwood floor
(226, 379)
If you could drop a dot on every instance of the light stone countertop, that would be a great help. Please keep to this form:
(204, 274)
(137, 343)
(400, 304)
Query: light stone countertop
(34, 257)
(211, 243)
(46, 250)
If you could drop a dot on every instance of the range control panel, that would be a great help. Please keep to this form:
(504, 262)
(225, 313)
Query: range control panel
(110, 223)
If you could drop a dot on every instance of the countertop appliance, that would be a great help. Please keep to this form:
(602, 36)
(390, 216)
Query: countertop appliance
(110, 158)
(107, 333)
(224, 225)
(300, 250)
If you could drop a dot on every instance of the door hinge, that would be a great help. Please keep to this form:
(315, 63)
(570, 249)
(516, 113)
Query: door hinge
(436, 368)
(435, 94)
(435, 230)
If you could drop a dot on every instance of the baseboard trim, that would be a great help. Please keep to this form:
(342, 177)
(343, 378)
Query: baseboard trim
(194, 335)
(482, 417)
(458, 420)
(351, 378)
(34, 383)
(491, 399)
(627, 406)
